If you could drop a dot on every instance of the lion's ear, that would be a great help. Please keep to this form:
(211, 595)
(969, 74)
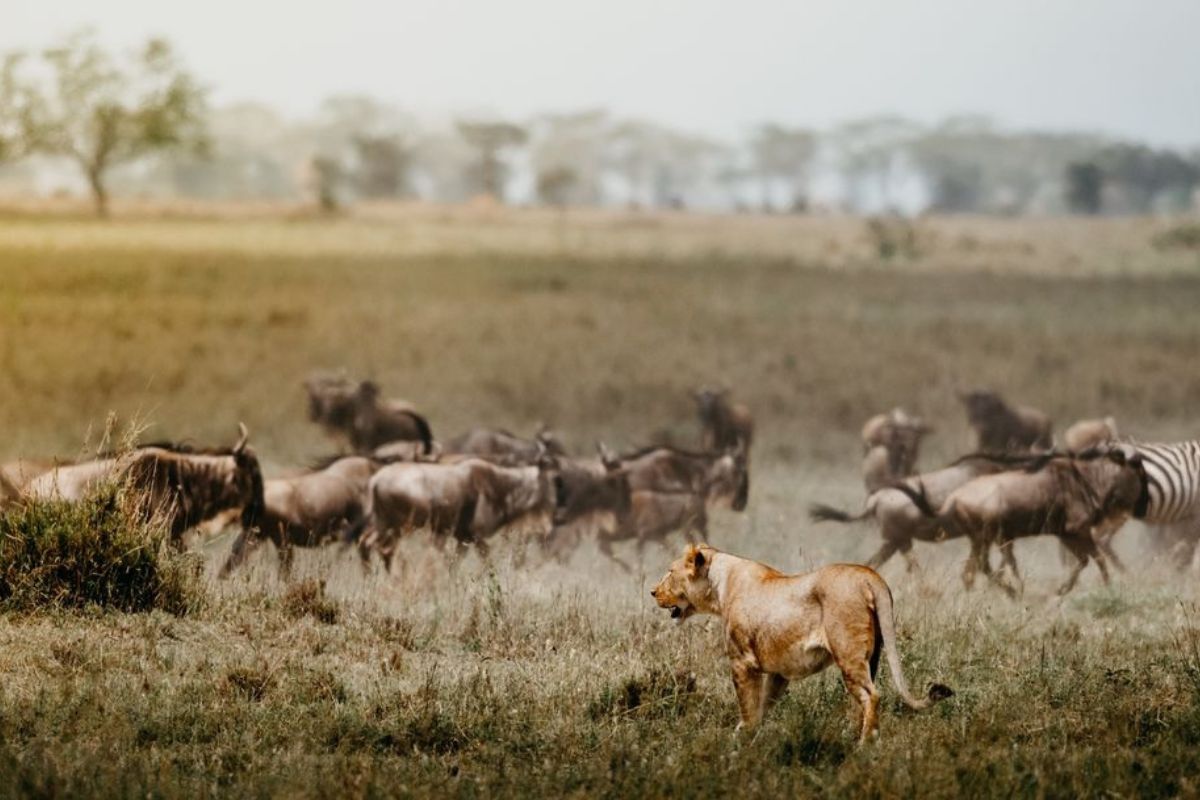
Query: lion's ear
(697, 562)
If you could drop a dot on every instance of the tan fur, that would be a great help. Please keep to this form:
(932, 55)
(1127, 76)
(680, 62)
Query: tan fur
(780, 628)
(1089, 433)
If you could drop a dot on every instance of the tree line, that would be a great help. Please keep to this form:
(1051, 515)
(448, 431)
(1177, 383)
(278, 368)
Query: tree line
(141, 123)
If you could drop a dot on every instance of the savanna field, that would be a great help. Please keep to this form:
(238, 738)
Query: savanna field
(514, 677)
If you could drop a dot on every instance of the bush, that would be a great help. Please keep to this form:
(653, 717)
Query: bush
(1180, 237)
(97, 552)
(307, 599)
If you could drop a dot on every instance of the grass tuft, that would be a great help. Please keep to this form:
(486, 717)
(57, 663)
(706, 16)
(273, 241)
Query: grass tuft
(97, 552)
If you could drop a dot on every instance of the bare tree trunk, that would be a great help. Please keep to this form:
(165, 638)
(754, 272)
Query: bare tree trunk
(99, 191)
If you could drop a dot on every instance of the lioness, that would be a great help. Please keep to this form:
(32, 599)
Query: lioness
(780, 627)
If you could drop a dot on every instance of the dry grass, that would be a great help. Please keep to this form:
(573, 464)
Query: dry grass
(494, 679)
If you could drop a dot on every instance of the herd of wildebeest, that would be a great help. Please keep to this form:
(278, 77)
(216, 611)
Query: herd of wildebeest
(393, 477)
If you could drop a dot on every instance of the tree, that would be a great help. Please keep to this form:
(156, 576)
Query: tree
(15, 99)
(101, 113)
(868, 149)
(554, 186)
(383, 166)
(783, 155)
(1085, 182)
(490, 139)
(573, 143)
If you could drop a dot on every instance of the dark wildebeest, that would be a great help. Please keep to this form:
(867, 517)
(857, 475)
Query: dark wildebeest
(180, 485)
(1000, 428)
(1074, 498)
(719, 478)
(724, 425)
(470, 500)
(670, 490)
(307, 510)
(502, 447)
(900, 519)
(358, 413)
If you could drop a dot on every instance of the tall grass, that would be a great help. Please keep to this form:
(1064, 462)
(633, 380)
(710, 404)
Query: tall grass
(96, 552)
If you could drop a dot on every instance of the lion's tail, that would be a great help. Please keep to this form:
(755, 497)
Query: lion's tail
(887, 630)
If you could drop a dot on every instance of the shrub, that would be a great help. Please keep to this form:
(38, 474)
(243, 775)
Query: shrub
(1180, 237)
(307, 599)
(96, 552)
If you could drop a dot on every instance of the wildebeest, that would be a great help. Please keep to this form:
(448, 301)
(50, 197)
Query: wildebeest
(719, 478)
(181, 485)
(1069, 497)
(502, 447)
(307, 510)
(725, 425)
(669, 490)
(1000, 428)
(470, 500)
(891, 443)
(357, 412)
(1089, 433)
(900, 519)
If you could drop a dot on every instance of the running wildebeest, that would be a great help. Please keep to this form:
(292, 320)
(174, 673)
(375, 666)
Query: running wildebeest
(1000, 428)
(502, 447)
(182, 485)
(901, 521)
(725, 426)
(356, 412)
(891, 443)
(470, 500)
(1073, 498)
(307, 510)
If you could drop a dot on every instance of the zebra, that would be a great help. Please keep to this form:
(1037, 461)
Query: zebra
(1170, 502)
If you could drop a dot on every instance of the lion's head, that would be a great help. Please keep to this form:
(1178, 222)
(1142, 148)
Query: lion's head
(685, 589)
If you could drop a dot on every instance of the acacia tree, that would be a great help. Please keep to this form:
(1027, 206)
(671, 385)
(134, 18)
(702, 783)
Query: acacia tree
(100, 112)
(14, 109)
(783, 155)
(490, 140)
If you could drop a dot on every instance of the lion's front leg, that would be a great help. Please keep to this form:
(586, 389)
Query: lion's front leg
(748, 683)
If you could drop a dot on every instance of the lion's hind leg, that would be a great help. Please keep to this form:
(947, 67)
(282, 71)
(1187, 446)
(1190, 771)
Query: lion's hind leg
(854, 645)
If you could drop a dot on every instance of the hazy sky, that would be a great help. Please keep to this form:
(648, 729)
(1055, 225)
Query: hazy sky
(1120, 66)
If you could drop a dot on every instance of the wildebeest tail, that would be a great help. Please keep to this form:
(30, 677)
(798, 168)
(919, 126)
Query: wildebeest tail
(425, 432)
(819, 512)
(917, 496)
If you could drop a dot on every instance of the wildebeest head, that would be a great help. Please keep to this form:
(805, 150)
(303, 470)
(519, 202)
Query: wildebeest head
(331, 400)
(581, 489)
(982, 405)
(729, 478)
(550, 441)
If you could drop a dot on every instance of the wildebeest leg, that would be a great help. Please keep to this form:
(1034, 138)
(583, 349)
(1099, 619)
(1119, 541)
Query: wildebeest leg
(910, 560)
(972, 564)
(1082, 551)
(1008, 560)
(287, 556)
(245, 543)
(605, 545)
(885, 551)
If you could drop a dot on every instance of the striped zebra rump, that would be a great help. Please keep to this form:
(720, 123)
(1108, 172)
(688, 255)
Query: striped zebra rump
(1172, 481)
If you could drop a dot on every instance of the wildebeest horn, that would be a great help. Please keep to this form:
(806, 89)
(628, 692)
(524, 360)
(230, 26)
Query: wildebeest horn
(607, 457)
(244, 437)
